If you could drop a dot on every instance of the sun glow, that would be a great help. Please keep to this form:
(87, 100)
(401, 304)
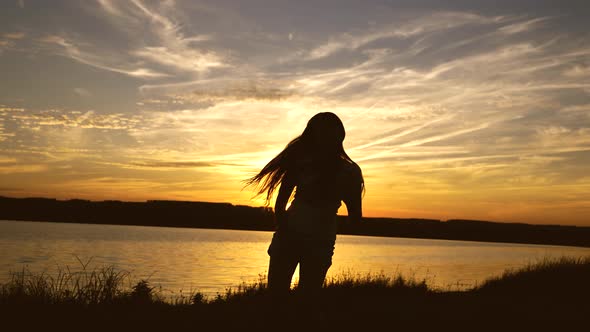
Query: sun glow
(450, 113)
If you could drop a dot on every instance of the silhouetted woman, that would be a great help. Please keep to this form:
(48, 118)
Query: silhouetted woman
(316, 164)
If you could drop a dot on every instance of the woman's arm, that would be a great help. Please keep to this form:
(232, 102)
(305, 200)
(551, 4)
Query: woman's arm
(354, 206)
(353, 198)
(285, 190)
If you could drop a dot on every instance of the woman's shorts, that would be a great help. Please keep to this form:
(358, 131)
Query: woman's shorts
(302, 247)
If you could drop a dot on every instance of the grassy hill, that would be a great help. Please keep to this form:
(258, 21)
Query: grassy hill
(549, 295)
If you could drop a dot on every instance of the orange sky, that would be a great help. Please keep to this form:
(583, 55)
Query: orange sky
(452, 112)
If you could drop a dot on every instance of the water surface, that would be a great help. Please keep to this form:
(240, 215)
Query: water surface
(211, 260)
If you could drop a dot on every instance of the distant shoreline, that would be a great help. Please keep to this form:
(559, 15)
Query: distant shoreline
(256, 230)
(240, 217)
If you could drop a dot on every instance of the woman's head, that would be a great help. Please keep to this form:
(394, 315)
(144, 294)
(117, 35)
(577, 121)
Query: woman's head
(321, 141)
(324, 134)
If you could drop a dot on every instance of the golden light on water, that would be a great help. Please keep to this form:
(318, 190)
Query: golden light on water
(210, 261)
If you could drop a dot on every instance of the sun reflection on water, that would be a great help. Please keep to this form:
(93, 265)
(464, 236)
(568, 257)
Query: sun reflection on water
(210, 261)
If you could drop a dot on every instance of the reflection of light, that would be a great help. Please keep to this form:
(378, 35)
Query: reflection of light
(295, 279)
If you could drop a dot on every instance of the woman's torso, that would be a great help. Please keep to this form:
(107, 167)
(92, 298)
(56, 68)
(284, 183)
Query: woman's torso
(320, 188)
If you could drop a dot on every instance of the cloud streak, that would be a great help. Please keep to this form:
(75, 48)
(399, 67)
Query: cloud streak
(416, 27)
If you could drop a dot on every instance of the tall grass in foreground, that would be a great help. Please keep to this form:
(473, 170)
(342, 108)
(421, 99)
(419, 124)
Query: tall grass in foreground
(563, 271)
(85, 287)
(107, 285)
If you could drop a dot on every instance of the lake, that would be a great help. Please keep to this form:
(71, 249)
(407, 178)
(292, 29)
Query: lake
(210, 260)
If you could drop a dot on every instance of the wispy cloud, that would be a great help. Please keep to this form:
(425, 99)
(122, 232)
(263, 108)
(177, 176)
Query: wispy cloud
(20, 168)
(14, 35)
(8, 40)
(175, 50)
(430, 23)
(88, 119)
(578, 71)
(163, 52)
(82, 92)
(171, 164)
(70, 50)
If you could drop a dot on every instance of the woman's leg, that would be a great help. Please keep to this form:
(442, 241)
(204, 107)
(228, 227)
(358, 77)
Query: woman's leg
(312, 272)
(280, 272)
(281, 267)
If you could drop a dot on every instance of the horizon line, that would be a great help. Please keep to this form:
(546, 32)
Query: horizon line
(262, 206)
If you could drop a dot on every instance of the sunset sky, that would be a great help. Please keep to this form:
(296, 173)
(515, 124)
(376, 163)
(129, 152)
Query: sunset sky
(477, 110)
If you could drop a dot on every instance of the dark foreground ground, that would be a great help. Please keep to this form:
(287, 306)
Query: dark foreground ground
(552, 295)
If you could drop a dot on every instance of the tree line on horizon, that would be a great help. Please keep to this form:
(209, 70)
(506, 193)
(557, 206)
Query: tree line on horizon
(169, 213)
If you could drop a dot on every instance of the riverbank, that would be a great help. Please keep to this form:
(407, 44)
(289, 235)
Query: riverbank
(238, 217)
(552, 293)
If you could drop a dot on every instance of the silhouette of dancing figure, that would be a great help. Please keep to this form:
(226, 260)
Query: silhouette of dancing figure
(316, 164)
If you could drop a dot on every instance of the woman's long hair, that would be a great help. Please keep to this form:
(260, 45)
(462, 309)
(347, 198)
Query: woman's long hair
(321, 141)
